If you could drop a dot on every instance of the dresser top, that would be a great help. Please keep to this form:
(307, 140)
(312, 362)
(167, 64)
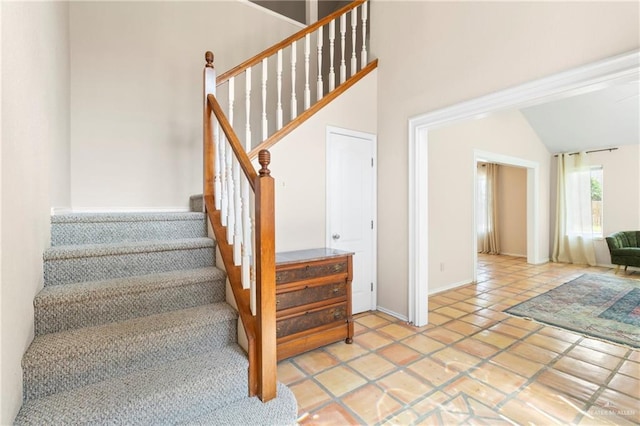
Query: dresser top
(309, 255)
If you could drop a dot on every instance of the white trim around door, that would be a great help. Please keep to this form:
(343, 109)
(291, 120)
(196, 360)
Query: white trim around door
(614, 70)
(533, 210)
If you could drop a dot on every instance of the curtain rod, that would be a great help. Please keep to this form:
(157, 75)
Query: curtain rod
(589, 152)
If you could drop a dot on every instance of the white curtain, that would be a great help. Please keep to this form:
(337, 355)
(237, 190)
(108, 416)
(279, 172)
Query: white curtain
(488, 238)
(573, 242)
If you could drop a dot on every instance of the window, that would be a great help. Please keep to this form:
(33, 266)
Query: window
(596, 199)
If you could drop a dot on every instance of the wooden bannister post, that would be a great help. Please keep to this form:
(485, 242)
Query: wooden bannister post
(265, 279)
(209, 153)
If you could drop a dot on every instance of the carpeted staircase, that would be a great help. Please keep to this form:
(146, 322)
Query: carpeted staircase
(132, 327)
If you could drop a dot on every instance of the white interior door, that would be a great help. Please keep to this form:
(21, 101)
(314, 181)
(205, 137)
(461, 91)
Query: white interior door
(351, 208)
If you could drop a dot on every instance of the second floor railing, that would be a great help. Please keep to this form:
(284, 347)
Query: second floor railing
(265, 93)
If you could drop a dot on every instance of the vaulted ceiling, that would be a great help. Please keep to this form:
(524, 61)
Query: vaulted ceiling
(604, 118)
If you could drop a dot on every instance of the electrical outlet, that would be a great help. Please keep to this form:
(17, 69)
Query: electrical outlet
(441, 266)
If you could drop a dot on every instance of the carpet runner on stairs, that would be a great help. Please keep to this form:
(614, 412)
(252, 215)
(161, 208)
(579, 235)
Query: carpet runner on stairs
(132, 327)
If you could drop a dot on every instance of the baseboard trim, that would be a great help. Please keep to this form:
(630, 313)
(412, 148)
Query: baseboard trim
(513, 254)
(450, 286)
(60, 210)
(392, 313)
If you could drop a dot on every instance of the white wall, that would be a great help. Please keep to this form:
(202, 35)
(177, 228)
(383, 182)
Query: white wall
(512, 210)
(436, 54)
(620, 194)
(35, 135)
(298, 164)
(136, 94)
(451, 186)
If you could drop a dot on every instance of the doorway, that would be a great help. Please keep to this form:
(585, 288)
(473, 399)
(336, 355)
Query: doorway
(532, 210)
(597, 75)
(351, 208)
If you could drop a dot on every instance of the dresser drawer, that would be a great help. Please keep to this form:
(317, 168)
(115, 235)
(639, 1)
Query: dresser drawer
(311, 270)
(310, 294)
(311, 319)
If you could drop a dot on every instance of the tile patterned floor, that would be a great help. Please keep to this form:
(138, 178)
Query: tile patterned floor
(472, 364)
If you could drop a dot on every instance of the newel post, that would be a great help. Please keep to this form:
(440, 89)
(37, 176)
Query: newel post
(265, 278)
(209, 154)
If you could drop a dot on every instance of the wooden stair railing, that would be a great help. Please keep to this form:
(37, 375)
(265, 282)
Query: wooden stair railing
(251, 277)
(240, 201)
(333, 55)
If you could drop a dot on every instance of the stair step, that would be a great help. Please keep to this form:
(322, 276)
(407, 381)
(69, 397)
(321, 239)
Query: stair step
(92, 262)
(107, 228)
(196, 203)
(70, 359)
(164, 394)
(282, 410)
(86, 304)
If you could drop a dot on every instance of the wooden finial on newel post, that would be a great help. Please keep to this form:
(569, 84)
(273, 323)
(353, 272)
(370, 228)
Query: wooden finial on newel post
(210, 157)
(208, 56)
(264, 158)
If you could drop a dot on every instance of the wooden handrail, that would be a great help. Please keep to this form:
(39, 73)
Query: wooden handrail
(228, 208)
(290, 126)
(260, 329)
(241, 154)
(286, 42)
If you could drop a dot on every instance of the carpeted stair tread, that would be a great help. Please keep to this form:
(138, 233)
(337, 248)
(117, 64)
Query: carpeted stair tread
(164, 394)
(85, 304)
(106, 228)
(92, 262)
(73, 358)
(129, 247)
(126, 217)
(251, 411)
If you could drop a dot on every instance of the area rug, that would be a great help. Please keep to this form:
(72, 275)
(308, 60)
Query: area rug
(600, 306)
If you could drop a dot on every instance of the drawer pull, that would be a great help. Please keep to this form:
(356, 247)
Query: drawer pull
(336, 289)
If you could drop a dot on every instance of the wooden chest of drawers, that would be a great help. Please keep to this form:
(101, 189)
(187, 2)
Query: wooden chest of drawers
(313, 299)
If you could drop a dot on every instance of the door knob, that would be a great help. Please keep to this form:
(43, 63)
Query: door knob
(336, 236)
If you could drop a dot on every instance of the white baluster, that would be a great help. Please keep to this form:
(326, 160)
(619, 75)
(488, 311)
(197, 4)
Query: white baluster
(223, 180)
(231, 208)
(247, 104)
(307, 53)
(246, 207)
(363, 56)
(279, 83)
(246, 234)
(320, 84)
(265, 131)
(294, 101)
(217, 185)
(252, 272)
(343, 42)
(237, 237)
(332, 40)
(354, 26)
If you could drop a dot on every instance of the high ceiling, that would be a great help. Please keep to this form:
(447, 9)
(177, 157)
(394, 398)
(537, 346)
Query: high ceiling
(601, 119)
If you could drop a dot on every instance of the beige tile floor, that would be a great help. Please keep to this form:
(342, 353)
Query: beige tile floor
(472, 364)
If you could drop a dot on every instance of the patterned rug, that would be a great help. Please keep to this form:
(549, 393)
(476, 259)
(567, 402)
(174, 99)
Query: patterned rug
(601, 306)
